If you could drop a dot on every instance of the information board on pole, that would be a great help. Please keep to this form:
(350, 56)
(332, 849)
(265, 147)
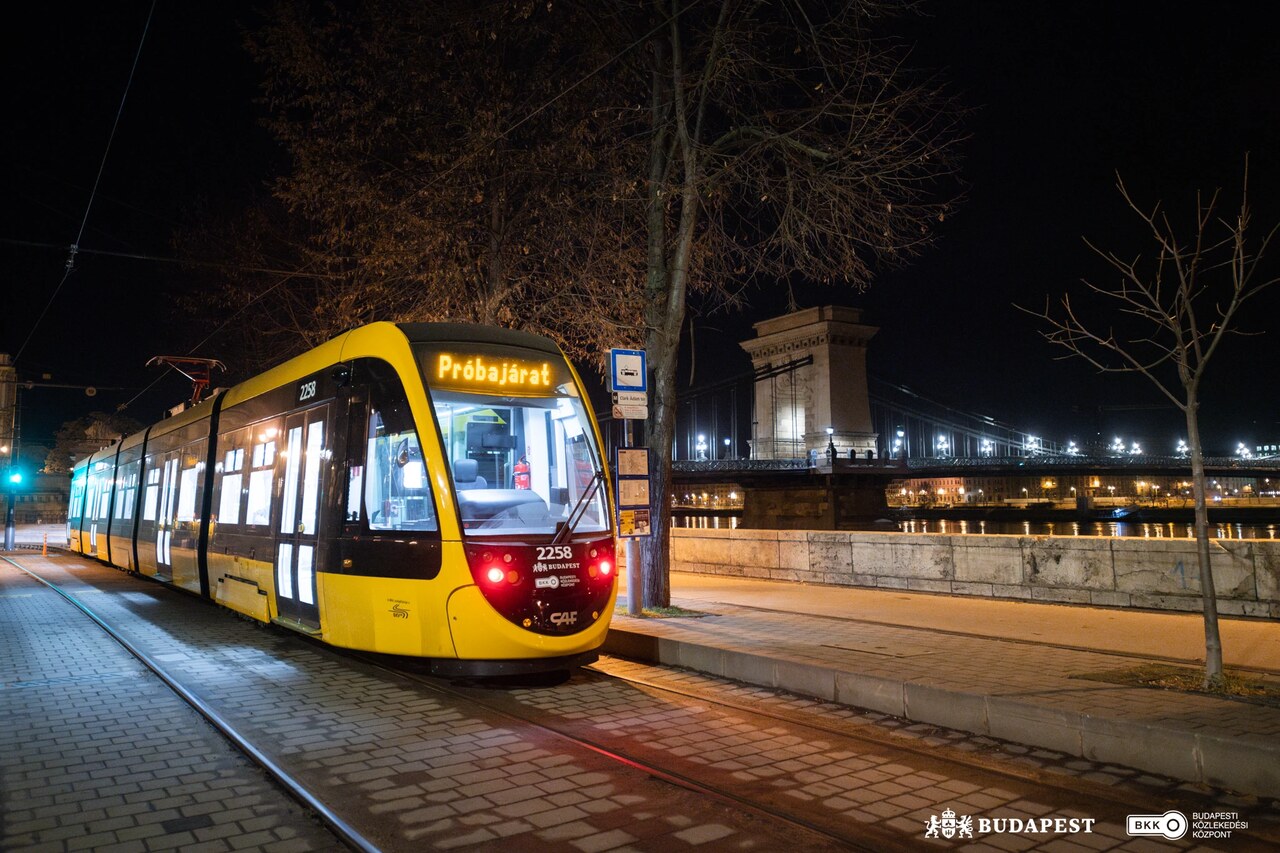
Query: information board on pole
(634, 516)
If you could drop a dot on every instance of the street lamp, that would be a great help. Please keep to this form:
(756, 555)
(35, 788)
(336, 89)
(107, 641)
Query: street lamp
(1135, 449)
(727, 443)
(702, 448)
(1182, 449)
(831, 446)
(943, 445)
(898, 444)
(1033, 445)
(987, 447)
(1117, 446)
(1072, 450)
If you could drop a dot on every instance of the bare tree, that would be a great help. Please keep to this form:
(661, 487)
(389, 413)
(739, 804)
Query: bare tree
(443, 171)
(1176, 307)
(783, 140)
(79, 438)
(586, 168)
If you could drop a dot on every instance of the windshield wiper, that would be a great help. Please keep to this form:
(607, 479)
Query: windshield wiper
(579, 510)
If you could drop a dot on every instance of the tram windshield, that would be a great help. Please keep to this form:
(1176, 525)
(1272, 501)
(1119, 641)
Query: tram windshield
(524, 458)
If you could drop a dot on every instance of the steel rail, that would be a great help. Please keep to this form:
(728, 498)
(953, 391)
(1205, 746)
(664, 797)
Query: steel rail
(294, 788)
(882, 842)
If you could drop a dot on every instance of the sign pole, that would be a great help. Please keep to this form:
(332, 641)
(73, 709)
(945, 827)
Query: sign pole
(629, 382)
(635, 592)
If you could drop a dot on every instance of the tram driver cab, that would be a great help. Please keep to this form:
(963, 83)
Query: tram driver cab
(484, 508)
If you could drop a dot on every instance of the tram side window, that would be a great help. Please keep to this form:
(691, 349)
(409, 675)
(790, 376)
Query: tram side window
(262, 462)
(128, 493)
(232, 475)
(188, 482)
(76, 502)
(355, 488)
(397, 494)
(104, 500)
(152, 505)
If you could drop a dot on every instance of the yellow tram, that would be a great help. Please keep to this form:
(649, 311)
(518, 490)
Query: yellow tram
(434, 490)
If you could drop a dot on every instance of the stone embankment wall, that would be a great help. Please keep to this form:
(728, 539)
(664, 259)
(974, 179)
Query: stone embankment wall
(1112, 572)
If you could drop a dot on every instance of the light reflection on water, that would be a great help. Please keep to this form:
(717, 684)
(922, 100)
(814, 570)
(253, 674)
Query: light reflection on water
(1037, 528)
(706, 522)
(1145, 530)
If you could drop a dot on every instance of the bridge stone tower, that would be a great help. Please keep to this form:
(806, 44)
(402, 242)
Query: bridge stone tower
(794, 409)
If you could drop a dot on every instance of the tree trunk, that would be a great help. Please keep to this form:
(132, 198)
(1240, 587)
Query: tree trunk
(655, 550)
(1212, 639)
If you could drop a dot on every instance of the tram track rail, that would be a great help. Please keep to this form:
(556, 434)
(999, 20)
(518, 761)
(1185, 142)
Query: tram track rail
(356, 840)
(511, 707)
(868, 837)
(865, 733)
(335, 823)
(879, 841)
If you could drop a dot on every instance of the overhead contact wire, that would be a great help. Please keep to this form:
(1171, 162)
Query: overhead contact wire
(75, 247)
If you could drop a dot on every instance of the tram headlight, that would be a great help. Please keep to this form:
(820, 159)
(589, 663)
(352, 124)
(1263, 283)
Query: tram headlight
(495, 575)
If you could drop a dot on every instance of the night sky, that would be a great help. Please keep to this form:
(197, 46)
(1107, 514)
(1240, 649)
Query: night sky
(1064, 96)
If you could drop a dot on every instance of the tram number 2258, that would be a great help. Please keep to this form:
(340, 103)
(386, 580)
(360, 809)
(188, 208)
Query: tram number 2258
(306, 390)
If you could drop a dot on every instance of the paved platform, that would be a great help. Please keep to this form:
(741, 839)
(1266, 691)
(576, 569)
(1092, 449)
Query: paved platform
(1009, 670)
(97, 753)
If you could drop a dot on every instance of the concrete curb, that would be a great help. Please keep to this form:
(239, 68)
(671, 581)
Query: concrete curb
(1249, 766)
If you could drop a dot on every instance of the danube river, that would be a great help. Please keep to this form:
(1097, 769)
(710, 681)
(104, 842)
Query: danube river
(1149, 530)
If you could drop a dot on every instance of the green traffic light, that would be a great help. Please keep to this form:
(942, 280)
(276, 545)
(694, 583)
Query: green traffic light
(15, 477)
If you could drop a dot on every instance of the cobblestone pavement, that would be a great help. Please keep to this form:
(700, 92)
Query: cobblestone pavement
(839, 765)
(97, 753)
(408, 768)
(991, 679)
(415, 766)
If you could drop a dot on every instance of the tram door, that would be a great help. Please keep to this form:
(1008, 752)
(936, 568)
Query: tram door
(168, 512)
(304, 450)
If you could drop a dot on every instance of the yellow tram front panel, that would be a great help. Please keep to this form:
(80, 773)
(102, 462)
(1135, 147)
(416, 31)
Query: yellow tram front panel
(480, 633)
